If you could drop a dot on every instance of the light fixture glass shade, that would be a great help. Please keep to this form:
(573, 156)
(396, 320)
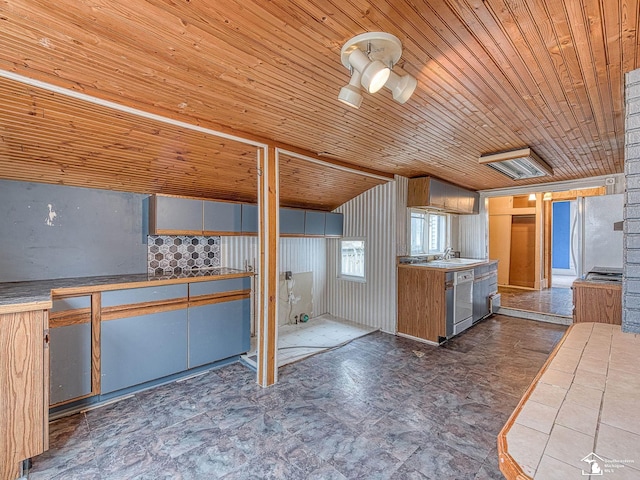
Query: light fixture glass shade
(517, 164)
(532, 197)
(547, 197)
(374, 74)
(350, 94)
(402, 87)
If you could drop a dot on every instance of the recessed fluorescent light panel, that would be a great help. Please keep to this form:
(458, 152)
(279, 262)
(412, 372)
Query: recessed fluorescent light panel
(517, 164)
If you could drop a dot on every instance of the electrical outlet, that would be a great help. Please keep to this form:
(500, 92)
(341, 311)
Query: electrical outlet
(287, 275)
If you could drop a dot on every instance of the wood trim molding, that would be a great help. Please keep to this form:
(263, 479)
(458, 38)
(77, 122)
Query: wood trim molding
(134, 310)
(69, 317)
(89, 289)
(96, 334)
(201, 300)
(268, 201)
(508, 466)
(25, 307)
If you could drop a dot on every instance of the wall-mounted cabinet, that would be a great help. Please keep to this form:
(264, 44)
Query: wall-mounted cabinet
(249, 219)
(221, 218)
(185, 216)
(334, 224)
(314, 223)
(291, 221)
(428, 192)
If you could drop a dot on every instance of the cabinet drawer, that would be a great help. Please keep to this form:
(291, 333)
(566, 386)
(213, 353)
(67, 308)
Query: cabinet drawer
(71, 303)
(219, 286)
(142, 295)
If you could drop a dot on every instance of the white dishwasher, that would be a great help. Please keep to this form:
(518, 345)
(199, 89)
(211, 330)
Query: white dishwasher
(462, 300)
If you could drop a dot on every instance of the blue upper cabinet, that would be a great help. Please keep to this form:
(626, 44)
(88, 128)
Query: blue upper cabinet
(291, 221)
(333, 224)
(222, 218)
(173, 215)
(249, 218)
(314, 223)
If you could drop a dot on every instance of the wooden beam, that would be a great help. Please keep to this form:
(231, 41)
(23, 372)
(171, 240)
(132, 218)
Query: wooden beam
(268, 202)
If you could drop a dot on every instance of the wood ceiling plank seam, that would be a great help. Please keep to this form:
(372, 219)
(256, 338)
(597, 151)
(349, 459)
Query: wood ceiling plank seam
(498, 52)
(532, 40)
(520, 38)
(491, 23)
(585, 57)
(630, 25)
(495, 97)
(612, 49)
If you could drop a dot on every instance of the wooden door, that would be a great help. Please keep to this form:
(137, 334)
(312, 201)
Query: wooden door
(500, 245)
(523, 244)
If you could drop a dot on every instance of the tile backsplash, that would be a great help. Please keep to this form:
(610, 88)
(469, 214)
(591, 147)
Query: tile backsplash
(175, 254)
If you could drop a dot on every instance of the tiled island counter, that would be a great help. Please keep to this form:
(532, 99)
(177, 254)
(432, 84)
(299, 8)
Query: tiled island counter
(581, 415)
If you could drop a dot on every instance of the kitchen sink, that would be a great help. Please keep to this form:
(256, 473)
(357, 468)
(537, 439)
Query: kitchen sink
(457, 261)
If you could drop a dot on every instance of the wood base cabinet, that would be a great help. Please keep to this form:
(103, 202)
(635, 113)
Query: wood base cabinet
(422, 304)
(24, 389)
(599, 302)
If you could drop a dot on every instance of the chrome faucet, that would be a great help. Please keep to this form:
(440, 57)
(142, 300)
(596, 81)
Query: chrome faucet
(447, 253)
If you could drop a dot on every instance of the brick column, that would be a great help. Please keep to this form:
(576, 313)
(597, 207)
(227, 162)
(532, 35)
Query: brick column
(631, 281)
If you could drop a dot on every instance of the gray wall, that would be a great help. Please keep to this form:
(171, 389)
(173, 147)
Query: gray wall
(631, 284)
(85, 232)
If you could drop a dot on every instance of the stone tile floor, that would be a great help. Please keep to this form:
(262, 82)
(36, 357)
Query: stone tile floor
(379, 407)
(555, 301)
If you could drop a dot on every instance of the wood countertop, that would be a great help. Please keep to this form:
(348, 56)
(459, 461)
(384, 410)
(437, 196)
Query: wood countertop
(36, 295)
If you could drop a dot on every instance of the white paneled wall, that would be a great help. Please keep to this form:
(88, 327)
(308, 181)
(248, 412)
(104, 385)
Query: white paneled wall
(297, 255)
(403, 238)
(372, 216)
(473, 233)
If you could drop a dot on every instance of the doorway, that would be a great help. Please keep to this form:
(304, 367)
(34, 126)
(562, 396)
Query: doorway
(563, 243)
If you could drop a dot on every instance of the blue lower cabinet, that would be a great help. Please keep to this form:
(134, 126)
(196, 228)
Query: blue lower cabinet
(139, 349)
(70, 362)
(219, 331)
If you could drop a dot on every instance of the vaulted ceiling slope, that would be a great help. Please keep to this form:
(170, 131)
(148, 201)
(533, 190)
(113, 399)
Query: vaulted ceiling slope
(492, 75)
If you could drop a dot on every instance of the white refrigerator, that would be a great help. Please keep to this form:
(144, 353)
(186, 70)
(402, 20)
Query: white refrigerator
(600, 232)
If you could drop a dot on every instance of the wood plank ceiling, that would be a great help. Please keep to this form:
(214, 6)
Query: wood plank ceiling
(492, 75)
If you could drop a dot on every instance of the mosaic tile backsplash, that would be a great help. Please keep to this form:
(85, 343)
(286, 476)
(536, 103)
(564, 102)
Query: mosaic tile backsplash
(175, 254)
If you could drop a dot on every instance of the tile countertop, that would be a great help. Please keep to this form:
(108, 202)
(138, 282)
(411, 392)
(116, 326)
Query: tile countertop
(36, 295)
(581, 408)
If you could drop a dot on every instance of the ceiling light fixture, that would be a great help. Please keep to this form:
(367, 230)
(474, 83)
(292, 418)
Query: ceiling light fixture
(372, 55)
(517, 164)
(351, 93)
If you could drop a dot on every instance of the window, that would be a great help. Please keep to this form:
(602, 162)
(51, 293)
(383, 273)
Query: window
(351, 259)
(429, 232)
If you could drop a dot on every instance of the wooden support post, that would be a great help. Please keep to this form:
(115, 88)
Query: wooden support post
(268, 201)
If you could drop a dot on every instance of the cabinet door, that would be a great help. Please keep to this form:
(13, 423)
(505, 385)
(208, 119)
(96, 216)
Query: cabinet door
(314, 223)
(24, 419)
(249, 218)
(139, 349)
(291, 221)
(173, 215)
(70, 349)
(222, 217)
(218, 331)
(218, 286)
(437, 193)
(333, 226)
(143, 295)
(452, 198)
